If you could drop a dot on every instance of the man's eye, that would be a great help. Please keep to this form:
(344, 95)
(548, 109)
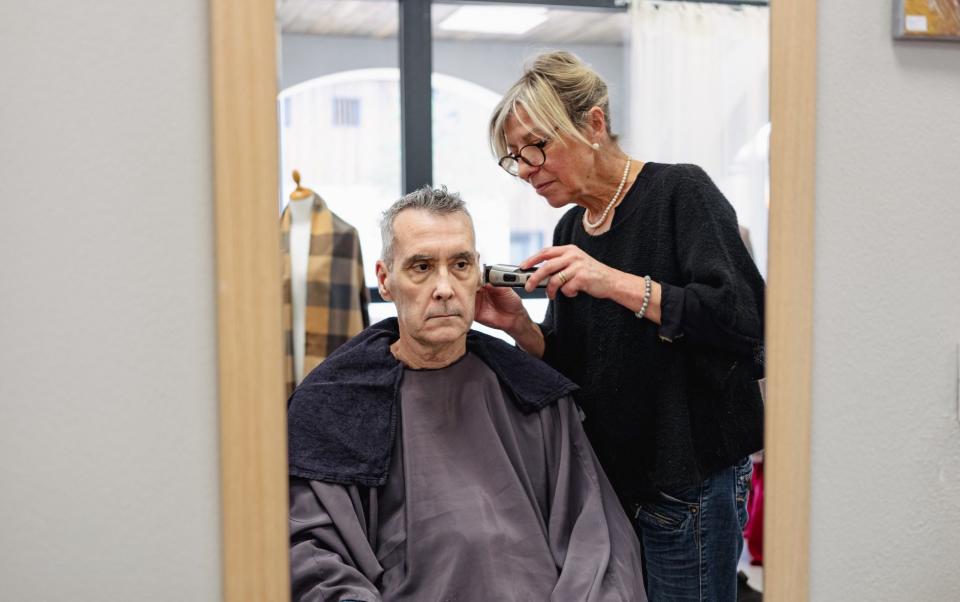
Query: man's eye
(462, 264)
(420, 267)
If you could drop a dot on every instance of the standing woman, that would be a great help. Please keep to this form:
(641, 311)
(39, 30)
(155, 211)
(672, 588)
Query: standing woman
(656, 311)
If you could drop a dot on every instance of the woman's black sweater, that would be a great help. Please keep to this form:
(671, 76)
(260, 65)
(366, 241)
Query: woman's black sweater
(666, 405)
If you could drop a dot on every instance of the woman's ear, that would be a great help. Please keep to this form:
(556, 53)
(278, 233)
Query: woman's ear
(597, 122)
(383, 284)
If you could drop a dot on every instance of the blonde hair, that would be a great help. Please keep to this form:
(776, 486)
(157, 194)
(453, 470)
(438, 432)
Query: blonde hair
(556, 91)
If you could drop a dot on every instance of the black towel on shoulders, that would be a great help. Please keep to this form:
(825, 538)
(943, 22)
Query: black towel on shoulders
(342, 418)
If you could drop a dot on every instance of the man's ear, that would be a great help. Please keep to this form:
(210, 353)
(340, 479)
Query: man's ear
(382, 278)
(479, 273)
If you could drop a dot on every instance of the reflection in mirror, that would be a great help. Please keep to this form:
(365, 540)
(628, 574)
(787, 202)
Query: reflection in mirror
(687, 83)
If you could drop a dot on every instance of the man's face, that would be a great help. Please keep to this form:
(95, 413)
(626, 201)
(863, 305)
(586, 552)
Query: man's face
(434, 277)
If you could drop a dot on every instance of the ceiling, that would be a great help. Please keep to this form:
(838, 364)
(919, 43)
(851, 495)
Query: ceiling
(379, 18)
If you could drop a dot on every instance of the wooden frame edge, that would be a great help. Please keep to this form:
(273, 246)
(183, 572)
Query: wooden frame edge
(789, 328)
(253, 462)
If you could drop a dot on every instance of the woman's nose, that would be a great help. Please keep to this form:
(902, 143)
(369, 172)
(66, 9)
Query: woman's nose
(524, 171)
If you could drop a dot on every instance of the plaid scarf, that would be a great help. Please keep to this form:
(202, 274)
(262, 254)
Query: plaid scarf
(337, 297)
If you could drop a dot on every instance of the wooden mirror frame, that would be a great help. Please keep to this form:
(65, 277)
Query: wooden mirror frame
(252, 410)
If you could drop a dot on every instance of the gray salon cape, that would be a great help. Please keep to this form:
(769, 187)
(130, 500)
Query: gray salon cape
(482, 502)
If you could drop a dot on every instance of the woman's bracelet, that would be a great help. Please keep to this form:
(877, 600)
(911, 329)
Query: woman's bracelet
(647, 290)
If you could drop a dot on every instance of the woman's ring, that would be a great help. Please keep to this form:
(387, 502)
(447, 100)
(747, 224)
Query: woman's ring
(562, 277)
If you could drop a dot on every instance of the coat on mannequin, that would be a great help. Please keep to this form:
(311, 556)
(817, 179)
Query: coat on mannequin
(325, 298)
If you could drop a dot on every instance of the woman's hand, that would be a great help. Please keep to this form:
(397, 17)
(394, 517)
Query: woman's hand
(502, 308)
(571, 271)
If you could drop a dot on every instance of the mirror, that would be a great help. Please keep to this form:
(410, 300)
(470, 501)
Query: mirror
(339, 107)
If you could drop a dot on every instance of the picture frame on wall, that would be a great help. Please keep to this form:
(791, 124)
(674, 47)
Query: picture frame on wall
(926, 20)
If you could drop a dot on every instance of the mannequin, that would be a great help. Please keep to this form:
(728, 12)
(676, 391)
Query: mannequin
(301, 213)
(325, 298)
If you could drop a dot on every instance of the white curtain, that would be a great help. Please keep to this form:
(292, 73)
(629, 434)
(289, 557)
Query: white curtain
(699, 94)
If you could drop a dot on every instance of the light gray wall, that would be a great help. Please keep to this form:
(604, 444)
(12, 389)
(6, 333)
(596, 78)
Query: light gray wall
(108, 407)
(494, 65)
(886, 441)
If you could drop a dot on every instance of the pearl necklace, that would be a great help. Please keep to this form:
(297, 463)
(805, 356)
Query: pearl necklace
(616, 195)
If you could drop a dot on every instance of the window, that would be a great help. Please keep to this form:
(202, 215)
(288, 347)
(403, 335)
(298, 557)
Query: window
(524, 244)
(346, 112)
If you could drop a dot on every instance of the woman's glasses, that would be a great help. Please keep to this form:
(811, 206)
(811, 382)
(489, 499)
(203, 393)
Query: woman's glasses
(531, 154)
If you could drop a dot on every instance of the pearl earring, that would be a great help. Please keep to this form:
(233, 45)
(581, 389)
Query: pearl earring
(596, 146)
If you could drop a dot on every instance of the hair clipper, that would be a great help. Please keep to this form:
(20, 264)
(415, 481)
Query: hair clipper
(509, 275)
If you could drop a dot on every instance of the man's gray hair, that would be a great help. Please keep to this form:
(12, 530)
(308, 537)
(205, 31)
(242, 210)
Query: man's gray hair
(435, 200)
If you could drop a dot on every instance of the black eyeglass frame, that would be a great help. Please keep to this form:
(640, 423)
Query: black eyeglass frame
(518, 156)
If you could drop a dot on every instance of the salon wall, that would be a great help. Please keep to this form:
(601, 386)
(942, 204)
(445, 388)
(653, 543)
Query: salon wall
(494, 65)
(886, 438)
(108, 400)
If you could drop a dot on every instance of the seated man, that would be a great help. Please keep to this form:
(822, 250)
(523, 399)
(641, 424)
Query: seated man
(430, 462)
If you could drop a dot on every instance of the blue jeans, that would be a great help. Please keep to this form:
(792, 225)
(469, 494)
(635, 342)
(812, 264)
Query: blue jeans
(692, 538)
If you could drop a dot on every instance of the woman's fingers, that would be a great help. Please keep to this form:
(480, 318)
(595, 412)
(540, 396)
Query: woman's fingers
(497, 307)
(554, 259)
(546, 269)
(556, 284)
(543, 255)
(571, 271)
(567, 280)
(500, 298)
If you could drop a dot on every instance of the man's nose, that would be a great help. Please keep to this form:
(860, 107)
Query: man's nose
(444, 288)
